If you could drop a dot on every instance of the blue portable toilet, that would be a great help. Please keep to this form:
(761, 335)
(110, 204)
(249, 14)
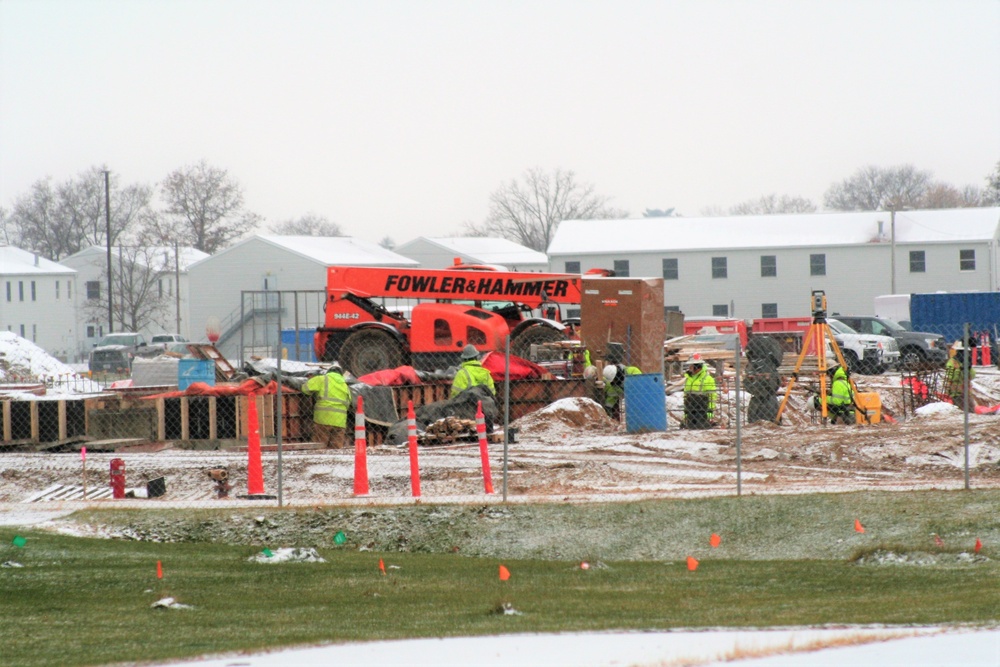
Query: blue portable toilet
(645, 403)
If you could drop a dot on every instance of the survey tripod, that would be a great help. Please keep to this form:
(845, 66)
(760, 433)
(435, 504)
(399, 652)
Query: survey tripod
(816, 337)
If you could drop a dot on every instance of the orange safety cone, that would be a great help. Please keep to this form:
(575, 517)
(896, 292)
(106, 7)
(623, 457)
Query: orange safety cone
(360, 451)
(411, 426)
(978, 547)
(484, 453)
(858, 528)
(255, 470)
(692, 564)
(985, 351)
(504, 573)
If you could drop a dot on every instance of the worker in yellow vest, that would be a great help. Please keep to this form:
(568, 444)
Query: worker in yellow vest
(471, 373)
(332, 403)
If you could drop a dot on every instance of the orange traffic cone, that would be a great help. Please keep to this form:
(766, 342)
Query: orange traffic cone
(255, 470)
(360, 451)
(484, 453)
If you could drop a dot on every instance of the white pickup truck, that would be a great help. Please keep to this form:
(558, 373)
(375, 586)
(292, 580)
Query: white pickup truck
(869, 354)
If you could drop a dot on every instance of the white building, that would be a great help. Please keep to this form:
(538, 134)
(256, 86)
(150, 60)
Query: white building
(767, 265)
(230, 286)
(167, 284)
(37, 301)
(441, 252)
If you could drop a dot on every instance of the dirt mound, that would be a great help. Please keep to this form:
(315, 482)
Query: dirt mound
(567, 414)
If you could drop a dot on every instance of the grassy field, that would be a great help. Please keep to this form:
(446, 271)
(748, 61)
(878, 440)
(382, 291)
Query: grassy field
(85, 601)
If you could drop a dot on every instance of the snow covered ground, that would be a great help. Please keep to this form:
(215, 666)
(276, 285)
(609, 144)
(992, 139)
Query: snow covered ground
(802, 647)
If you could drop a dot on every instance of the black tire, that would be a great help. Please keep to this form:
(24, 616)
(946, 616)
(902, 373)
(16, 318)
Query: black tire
(370, 350)
(536, 335)
(912, 358)
(852, 361)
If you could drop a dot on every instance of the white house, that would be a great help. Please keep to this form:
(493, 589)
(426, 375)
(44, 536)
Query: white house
(236, 291)
(167, 283)
(441, 252)
(37, 301)
(767, 265)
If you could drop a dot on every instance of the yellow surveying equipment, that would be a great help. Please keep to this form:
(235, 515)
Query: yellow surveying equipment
(815, 338)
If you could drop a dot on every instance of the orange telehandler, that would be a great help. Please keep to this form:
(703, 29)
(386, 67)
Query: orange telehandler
(378, 318)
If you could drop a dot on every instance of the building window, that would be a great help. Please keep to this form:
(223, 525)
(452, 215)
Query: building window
(170, 286)
(34, 333)
(57, 290)
(573, 267)
(159, 287)
(90, 331)
(93, 290)
(720, 311)
(22, 331)
(621, 268)
(671, 309)
(69, 289)
(768, 310)
(768, 266)
(34, 294)
(817, 265)
(670, 269)
(20, 296)
(8, 291)
(966, 260)
(719, 268)
(918, 261)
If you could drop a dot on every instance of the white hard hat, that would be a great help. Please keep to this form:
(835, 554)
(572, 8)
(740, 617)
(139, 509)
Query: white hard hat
(610, 372)
(470, 352)
(958, 345)
(695, 360)
(590, 372)
(335, 366)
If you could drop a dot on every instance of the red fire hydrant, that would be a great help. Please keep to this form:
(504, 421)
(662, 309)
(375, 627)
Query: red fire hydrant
(117, 478)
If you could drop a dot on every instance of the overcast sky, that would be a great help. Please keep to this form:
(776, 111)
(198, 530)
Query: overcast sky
(400, 118)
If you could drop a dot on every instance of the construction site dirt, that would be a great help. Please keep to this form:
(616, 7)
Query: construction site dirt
(568, 451)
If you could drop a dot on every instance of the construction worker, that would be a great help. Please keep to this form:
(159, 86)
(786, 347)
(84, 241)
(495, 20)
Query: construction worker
(699, 394)
(332, 403)
(840, 401)
(614, 387)
(954, 374)
(471, 373)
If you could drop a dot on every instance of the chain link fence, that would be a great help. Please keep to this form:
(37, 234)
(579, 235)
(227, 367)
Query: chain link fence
(246, 436)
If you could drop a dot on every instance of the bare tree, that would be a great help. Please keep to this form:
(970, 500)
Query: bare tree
(945, 195)
(143, 287)
(991, 195)
(309, 224)
(388, 243)
(529, 212)
(57, 221)
(873, 189)
(204, 208)
(772, 204)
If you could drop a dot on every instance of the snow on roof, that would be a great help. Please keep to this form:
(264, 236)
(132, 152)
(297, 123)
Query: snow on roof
(15, 261)
(161, 255)
(329, 250)
(487, 250)
(575, 237)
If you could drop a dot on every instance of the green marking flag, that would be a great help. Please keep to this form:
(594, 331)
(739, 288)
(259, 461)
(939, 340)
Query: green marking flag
(20, 541)
(340, 538)
(268, 553)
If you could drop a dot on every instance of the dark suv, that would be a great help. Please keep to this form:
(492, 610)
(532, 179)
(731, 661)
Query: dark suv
(114, 352)
(915, 347)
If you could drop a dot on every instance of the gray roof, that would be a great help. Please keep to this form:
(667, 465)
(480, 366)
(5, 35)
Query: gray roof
(331, 250)
(484, 250)
(580, 237)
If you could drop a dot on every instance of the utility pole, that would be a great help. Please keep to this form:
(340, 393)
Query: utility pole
(107, 219)
(177, 283)
(892, 245)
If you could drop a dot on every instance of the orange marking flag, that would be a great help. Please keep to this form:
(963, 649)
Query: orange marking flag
(858, 528)
(381, 566)
(715, 540)
(979, 546)
(692, 564)
(504, 573)
(938, 541)
(159, 570)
